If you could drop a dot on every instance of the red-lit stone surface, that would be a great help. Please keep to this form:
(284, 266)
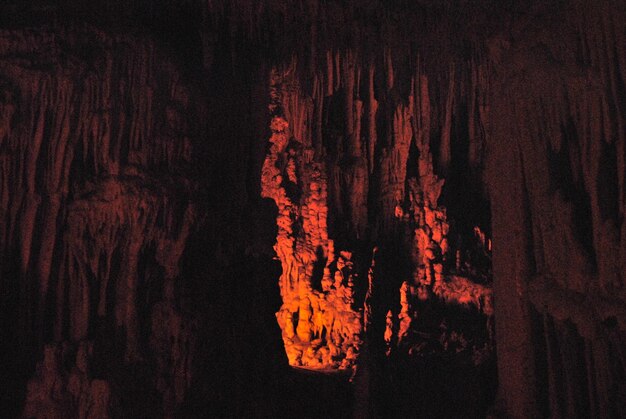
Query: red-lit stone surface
(410, 145)
(319, 323)
(86, 215)
(54, 387)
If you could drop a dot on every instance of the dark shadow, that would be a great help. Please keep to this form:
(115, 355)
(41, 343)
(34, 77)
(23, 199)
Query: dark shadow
(318, 269)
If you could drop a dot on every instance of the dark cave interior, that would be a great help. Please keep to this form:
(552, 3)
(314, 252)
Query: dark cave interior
(312, 208)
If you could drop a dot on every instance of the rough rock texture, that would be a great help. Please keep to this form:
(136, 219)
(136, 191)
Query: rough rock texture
(320, 327)
(56, 392)
(410, 145)
(558, 209)
(92, 234)
(320, 321)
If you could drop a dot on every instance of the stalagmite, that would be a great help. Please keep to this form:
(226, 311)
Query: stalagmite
(320, 326)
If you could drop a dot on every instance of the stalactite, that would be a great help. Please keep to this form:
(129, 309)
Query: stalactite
(84, 142)
(296, 181)
(444, 153)
(382, 115)
(372, 109)
(428, 229)
(576, 245)
(120, 216)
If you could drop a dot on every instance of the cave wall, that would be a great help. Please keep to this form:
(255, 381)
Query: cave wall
(557, 182)
(136, 247)
(96, 214)
(122, 251)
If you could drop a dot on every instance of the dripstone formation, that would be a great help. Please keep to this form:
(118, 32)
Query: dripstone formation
(420, 205)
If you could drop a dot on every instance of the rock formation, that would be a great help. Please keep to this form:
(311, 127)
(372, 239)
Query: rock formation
(318, 320)
(85, 213)
(55, 392)
(195, 195)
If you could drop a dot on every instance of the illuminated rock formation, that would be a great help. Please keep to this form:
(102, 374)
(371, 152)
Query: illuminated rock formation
(140, 200)
(433, 274)
(320, 325)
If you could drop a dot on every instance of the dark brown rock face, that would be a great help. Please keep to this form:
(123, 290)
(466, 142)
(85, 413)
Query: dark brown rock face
(442, 184)
(562, 252)
(94, 208)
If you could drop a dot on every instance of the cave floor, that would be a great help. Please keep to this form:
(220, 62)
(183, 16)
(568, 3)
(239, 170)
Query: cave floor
(426, 388)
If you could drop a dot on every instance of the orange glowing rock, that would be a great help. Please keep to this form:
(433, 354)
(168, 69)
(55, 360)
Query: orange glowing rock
(431, 244)
(404, 316)
(428, 228)
(388, 330)
(320, 328)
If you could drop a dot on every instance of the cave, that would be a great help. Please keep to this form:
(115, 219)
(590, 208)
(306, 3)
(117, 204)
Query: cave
(313, 208)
